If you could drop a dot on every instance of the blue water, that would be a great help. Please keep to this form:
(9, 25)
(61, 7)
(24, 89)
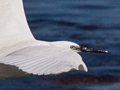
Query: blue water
(93, 23)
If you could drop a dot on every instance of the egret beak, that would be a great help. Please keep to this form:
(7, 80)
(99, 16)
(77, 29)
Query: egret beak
(85, 49)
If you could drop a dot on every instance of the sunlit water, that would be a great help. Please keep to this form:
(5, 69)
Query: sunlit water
(93, 23)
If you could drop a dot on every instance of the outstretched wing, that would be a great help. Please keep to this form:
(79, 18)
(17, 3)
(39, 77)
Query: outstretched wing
(44, 60)
(13, 23)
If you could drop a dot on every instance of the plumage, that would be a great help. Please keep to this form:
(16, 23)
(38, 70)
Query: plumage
(44, 60)
(18, 47)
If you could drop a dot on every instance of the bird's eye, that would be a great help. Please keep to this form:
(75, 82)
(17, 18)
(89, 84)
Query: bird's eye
(73, 47)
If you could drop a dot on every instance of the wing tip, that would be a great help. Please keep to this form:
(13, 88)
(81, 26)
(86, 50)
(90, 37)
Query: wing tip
(83, 67)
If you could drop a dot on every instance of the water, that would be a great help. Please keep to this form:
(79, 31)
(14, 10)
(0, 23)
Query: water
(93, 23)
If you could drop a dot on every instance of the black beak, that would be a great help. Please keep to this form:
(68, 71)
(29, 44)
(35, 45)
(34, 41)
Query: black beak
(85, 49)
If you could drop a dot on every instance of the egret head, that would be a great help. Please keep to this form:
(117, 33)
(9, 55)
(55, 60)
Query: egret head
(75, 47)
(85, 49)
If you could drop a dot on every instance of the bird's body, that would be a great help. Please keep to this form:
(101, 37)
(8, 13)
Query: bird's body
(21, 53)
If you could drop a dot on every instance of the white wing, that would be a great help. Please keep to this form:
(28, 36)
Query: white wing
(13, 23)
(33, 59)
(44, 60)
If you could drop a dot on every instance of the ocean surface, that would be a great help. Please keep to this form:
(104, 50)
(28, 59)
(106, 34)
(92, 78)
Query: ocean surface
(92, 23)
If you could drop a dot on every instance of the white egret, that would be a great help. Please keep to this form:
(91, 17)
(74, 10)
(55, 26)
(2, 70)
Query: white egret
(18, 47)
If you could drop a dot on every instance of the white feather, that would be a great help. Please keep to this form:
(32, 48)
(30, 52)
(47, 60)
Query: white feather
(18, 47)
(53, 61)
